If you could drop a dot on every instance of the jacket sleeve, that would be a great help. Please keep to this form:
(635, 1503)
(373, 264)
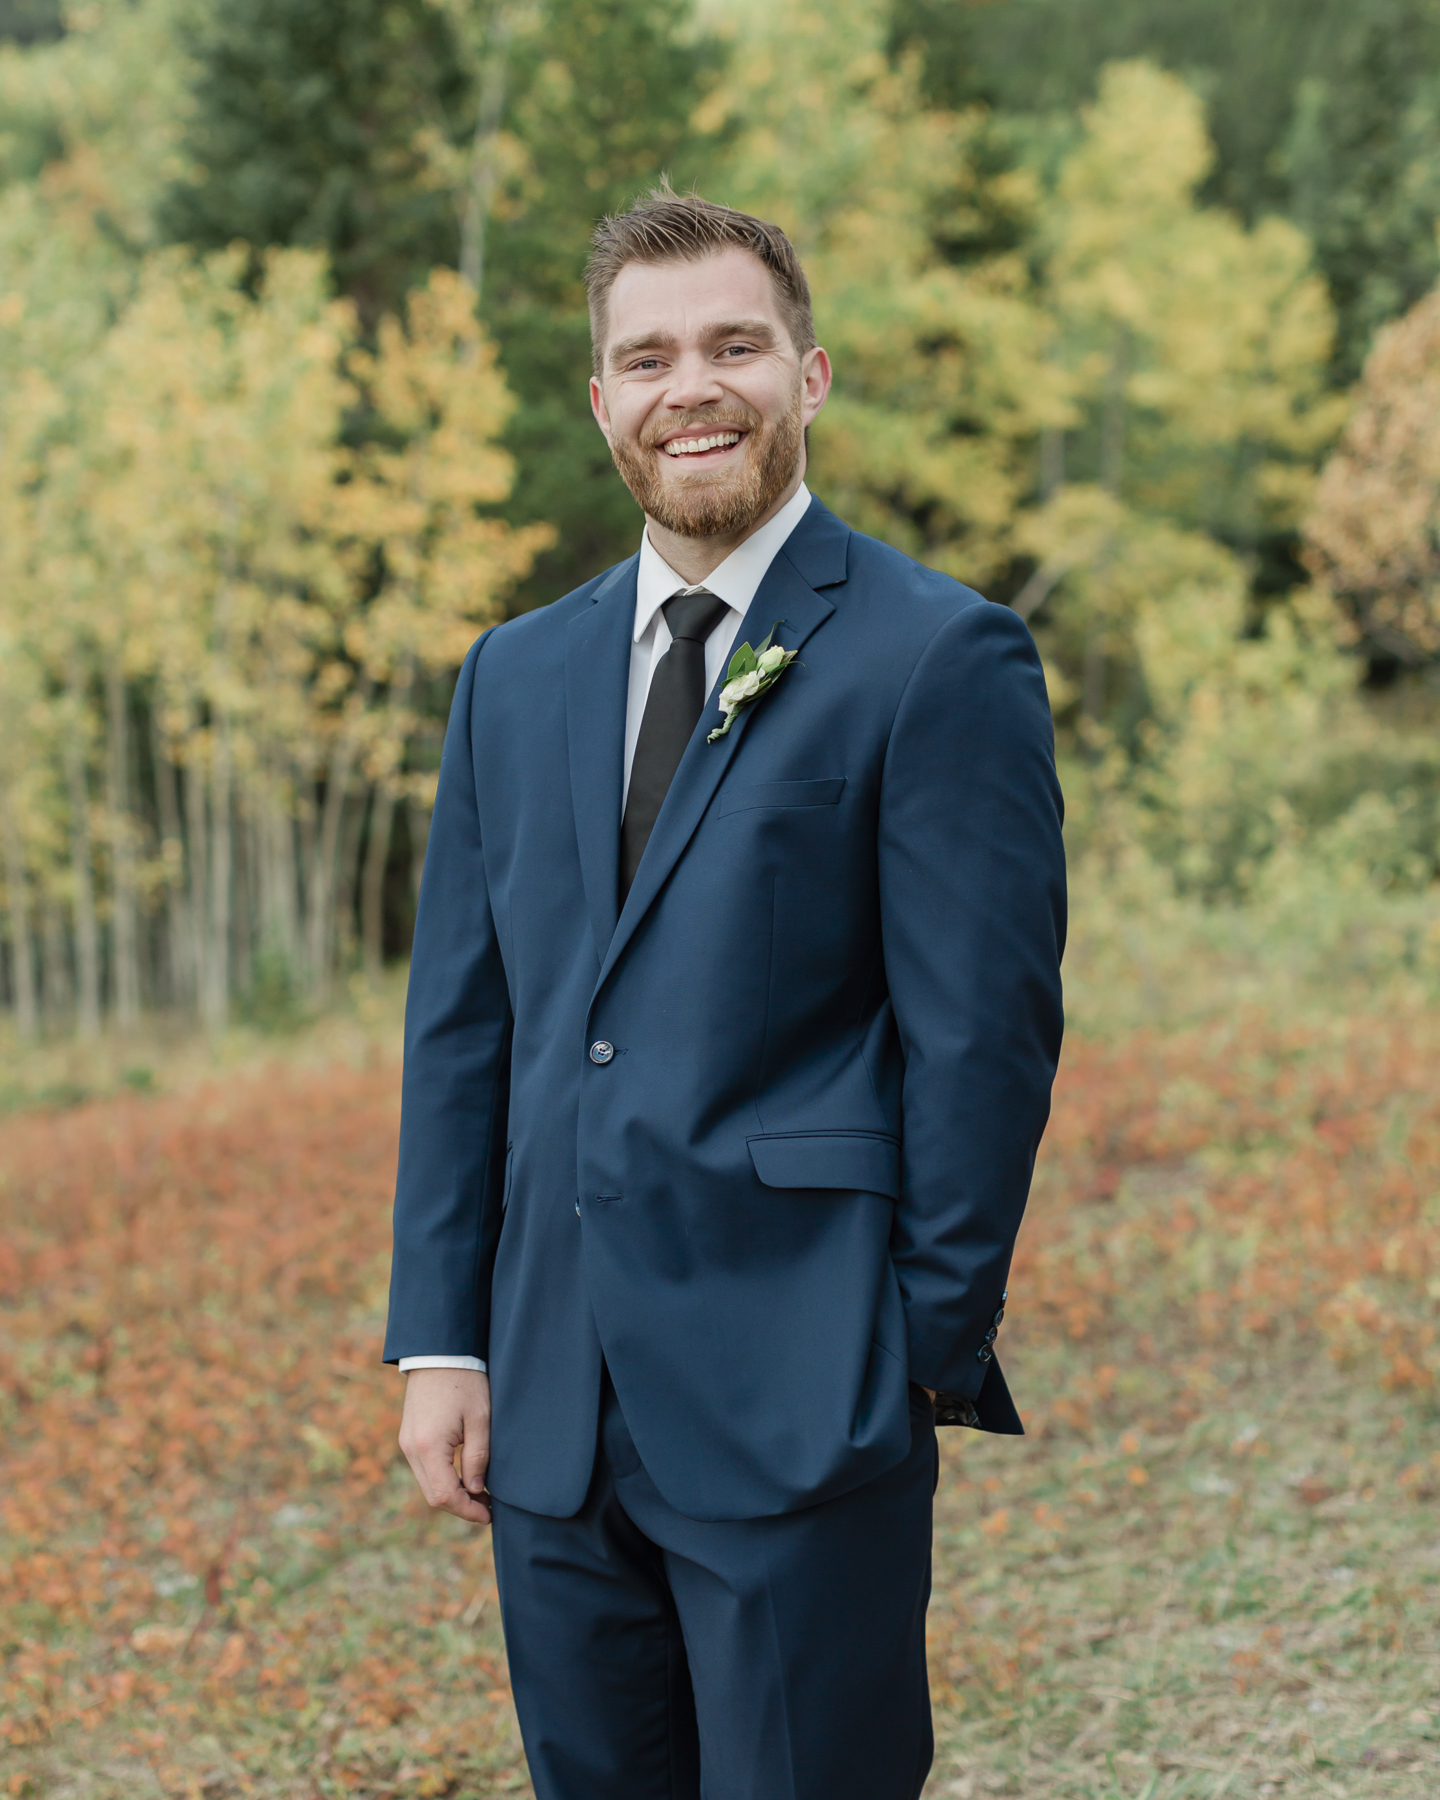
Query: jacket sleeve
(455, 1094)
(972, 895)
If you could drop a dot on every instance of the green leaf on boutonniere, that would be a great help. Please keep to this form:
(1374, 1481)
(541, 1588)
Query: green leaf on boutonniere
(751, 674)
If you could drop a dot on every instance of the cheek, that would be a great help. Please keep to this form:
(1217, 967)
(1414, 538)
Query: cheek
(629, 416)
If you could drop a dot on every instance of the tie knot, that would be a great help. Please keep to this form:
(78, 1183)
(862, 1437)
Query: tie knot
(694, 615)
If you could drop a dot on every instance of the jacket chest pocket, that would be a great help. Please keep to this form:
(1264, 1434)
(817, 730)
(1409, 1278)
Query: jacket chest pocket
(824, 792)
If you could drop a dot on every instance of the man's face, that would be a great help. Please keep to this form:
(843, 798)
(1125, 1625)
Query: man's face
(703, 397)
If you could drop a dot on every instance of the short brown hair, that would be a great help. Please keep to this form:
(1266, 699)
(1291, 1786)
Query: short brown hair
(664, 226)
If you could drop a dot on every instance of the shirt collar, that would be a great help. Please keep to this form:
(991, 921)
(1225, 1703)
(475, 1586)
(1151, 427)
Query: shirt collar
(737, 578)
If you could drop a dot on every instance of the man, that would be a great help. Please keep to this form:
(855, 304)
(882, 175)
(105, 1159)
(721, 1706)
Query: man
(733, 1015)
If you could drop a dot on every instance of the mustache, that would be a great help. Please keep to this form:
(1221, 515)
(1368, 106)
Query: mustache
(713, 418)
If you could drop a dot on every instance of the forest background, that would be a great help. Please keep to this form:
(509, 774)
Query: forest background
(1134, 312)
(1134, 317)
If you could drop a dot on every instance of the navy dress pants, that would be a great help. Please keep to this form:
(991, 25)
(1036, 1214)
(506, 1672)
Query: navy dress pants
(657, 1657)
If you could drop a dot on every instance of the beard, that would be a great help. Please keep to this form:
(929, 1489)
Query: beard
(715, 502)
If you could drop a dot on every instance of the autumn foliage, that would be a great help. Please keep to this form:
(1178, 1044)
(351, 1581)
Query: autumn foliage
(1374, 533)
(192, 1295)
(196, 1425)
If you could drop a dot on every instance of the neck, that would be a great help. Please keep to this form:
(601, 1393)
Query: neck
(693, 558)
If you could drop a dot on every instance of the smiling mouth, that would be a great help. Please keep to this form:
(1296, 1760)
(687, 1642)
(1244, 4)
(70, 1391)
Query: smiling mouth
(717, 443)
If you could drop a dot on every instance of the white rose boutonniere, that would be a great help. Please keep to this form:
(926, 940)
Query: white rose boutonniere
(751, 674)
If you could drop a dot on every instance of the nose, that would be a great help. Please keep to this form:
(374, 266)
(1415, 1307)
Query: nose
(693, 383)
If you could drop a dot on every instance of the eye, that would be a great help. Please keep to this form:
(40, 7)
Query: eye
(737, 350)
(646, 364)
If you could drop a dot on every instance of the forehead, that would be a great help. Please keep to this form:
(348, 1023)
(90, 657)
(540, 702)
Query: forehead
(685, 300)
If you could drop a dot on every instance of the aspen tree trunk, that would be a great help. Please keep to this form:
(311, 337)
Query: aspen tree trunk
(197, 844)
(22, 960)
(324, 875)
(242, 925)
(305, 870)
(56, 963)
(372, 893)
(382, 824)
(480, 190)
(347, 882)
(324, 869)
(179, 952)
(215, 990)
(279, 901)
(82, 868)
(287, 888)
(215, 995)
(168, 781)
(125, 942)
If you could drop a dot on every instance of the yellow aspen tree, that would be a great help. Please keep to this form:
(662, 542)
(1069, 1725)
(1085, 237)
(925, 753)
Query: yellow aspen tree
(222, 419)
(1195, 352)
(415, 519)
(57, 278)
(283, 591)
(942, 382)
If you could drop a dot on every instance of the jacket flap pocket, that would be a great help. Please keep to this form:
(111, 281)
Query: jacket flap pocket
(861, 1160)
(783, 793)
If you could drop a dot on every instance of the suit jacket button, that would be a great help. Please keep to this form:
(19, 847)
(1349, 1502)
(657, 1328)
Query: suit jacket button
(601, 1052)
(577, 1209)
(984, 1353)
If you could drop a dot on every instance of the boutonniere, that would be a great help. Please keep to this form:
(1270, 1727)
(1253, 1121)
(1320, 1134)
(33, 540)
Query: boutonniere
(751, 674)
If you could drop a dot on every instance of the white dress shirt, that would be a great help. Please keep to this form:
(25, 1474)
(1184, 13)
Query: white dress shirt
(736, 582)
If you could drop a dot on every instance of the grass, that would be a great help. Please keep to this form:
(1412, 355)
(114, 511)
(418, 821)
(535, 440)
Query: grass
(163, 1056)
(1211, 1569)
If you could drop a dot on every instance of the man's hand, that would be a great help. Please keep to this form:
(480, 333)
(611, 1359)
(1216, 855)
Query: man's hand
(448, 1410)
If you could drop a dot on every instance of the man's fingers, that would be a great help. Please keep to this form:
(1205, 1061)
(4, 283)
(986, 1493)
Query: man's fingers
(448, 1410)
(475, 1454)
(442, 1487)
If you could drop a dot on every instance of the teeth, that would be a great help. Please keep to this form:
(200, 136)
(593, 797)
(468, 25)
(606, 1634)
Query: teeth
(693, 446)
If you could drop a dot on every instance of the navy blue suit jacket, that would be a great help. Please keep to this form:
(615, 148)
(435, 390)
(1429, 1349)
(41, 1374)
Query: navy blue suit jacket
(833, 995)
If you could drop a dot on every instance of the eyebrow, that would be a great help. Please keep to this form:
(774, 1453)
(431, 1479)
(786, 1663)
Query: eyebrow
(662, 340)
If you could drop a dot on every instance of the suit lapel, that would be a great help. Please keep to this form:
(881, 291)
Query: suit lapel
(597, 685)
(817, 550)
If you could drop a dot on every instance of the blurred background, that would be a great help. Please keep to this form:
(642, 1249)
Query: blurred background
(1131, 310)
(1134, 313)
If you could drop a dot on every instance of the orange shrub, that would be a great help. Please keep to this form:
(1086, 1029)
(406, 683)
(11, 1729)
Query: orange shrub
(192, 1292)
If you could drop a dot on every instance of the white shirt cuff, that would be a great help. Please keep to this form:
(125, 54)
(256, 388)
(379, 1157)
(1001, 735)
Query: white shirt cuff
(442, 1362)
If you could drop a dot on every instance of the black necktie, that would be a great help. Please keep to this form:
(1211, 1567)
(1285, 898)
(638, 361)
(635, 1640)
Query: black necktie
(672, 708)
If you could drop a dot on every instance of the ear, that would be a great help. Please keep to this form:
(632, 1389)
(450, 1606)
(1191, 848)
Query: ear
(815, 378)
(598, 407)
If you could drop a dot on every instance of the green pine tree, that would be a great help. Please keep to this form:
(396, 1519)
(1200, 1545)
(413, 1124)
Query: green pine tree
(604, 94)
(303, 131)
